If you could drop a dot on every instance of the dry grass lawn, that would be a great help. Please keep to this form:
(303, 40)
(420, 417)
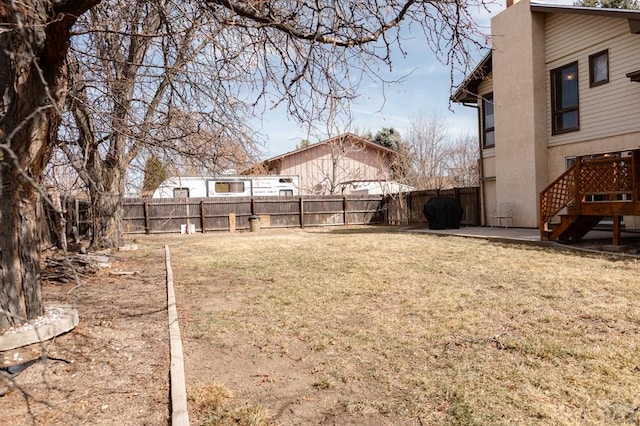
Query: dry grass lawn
(377, 326)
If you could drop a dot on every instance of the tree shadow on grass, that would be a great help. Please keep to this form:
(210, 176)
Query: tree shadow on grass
(371, 229)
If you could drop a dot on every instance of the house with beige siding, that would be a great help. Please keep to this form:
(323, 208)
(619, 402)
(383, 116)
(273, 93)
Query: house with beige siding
(345, 164)
(558, 101)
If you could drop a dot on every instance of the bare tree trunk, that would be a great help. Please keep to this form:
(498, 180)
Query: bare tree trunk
(20, 289)
(59, 220)
(106, 212)
(33, 86)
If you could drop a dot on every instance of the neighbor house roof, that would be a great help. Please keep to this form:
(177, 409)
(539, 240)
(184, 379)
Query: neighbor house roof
(352, 137)
(349, 136)
(468, 89)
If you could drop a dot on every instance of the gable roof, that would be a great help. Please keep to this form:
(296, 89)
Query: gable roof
(350, 136)
(467, 91)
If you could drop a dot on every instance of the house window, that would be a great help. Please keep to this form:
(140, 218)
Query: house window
(564, 99)
(226, 187)
(488, 135)
(569, 161)
(599, 68)
(180, 192)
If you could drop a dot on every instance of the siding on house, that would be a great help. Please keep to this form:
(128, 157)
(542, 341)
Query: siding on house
(528, 42)
(559, 153)
(354, 161)
(607, 110)
(486, 86)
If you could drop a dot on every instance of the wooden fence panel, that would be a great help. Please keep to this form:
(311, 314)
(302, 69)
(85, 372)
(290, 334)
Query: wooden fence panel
(325, 210)
(416, 201)
(365, 211)
(396, 209)
(407, 208)
(217, 211)
(282, 212)
(166, 217)
(134, 217)
(470, 200)
(212, 214)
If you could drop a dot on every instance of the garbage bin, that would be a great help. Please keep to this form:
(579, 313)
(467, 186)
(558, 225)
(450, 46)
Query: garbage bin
(254, 223)
(443, 213)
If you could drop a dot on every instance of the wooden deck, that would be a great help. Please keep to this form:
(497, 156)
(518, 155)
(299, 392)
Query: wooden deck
(590, 190)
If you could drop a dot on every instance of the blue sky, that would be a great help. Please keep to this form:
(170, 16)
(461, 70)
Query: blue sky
(425, 91)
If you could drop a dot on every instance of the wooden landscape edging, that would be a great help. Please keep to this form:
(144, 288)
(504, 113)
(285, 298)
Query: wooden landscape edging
(179, 409)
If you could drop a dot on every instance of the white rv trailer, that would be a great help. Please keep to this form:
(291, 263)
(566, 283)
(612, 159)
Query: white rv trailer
(227, 186)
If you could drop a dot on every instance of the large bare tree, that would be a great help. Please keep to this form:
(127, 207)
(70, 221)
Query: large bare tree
(463, 161)
(428, 142)
(144, 82)
(33, 84)
(301, 52)
(432, 157)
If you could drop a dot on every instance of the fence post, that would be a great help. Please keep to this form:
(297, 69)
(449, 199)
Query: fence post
(301, 213)
(202, 217)
(345, 207)
(147, 221)
(232, 222)
(253, 206)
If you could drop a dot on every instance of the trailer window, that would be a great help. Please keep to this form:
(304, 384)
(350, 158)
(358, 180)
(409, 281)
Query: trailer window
(226, 187)
(286, 180)
(286, 192)
(180, 192)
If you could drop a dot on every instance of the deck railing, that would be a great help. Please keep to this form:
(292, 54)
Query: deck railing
(605, 179)
(558, 195)
(593, 180)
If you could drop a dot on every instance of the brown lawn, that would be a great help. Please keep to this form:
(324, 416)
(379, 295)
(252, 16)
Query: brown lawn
(357, 326)
(376, 326)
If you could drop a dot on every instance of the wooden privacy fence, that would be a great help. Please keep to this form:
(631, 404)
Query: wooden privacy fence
(76, 224)
(223, 214)
(406, 208)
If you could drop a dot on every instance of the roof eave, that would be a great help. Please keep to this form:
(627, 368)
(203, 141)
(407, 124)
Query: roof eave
(632, 15)
(467, 92)
(330, 140)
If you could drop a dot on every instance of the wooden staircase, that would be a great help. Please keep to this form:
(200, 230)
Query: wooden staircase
(573, 227)
(590, 190)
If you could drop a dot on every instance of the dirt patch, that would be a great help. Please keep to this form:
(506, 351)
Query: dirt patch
(113, 367)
